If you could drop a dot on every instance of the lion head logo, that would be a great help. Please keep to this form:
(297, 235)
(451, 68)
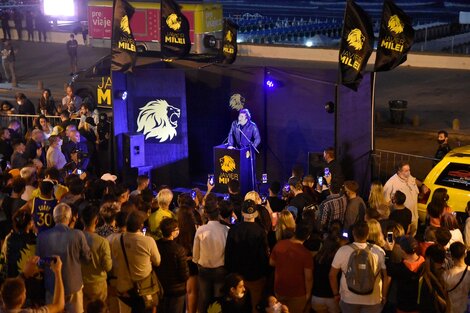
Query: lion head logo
(395, 25)
(356, 39)
(125, 25)
(229, 36)
(157, 119)
(237, 102)
(173, 21)
(227, 163)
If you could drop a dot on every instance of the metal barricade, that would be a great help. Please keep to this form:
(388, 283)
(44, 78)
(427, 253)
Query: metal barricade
(385, 164)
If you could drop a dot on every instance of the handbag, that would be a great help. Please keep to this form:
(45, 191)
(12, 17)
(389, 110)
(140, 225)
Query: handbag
(149, 288)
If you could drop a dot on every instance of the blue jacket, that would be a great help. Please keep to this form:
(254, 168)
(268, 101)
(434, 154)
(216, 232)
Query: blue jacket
(236, 138)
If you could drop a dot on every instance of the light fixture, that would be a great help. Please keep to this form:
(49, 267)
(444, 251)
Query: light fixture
(120, 94)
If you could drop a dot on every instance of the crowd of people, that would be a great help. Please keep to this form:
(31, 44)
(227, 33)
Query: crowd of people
(88, 243)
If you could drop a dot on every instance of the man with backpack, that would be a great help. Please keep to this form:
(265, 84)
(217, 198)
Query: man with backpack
(364, 283)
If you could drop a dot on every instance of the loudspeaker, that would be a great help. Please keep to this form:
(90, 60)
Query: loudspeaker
(316, 163)
(134, 150)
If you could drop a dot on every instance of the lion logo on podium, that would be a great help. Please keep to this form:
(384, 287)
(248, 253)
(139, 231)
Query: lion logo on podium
(125, 25)
(173, 21)
(229, 36)
(395, 25)
(159, 120)
(227, 164)
(356, 39)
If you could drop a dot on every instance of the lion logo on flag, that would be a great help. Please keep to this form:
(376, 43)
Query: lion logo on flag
(125, 25)
(227, 163)
(229, 36)
(395, 25)
(159, 120)
(173, 21)
(356, 39)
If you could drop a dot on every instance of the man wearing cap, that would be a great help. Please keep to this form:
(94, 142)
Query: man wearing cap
(246, 252)
(209, 254)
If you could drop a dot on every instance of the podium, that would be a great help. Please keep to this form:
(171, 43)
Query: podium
(233, 164)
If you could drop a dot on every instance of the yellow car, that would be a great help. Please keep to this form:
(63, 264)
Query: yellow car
(452, 173)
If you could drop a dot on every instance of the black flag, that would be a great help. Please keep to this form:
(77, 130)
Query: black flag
(356, 47)
(229, 42)
(175, 41)
(123, 43)
(395, 39)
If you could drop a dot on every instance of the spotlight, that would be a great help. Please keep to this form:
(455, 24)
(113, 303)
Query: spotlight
(211, 42)
(121, 94)
(270, 83)
(330, 107)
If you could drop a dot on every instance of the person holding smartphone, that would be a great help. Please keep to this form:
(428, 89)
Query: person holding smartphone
(333, 167)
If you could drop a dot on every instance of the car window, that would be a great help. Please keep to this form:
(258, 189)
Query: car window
(455, 175)
(103, 68)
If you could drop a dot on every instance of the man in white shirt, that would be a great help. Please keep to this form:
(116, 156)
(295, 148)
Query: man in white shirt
(350, 301)
(409, 185)
(209, 254)
(458, 278)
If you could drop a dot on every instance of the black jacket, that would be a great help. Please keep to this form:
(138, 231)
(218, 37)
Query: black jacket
(173, 270)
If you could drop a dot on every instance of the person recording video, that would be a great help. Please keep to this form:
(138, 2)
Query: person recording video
(243, 131)
(76, 151)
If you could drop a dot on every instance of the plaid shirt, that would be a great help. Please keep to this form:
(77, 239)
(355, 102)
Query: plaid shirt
(332, 208)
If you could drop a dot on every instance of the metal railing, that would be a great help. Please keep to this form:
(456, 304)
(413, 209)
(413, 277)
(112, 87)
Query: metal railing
(385, 164)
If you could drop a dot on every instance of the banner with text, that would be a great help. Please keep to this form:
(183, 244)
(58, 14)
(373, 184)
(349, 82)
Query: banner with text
(175, 40)
(395, 38)
(124, 50)
(357, 42)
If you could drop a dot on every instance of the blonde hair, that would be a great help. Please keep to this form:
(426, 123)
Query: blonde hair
(377, 199)
(375, 233)
(285, 222)
(164, 198)
(253, 195)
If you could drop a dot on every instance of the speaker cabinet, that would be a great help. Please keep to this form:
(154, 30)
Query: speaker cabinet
(134, 150)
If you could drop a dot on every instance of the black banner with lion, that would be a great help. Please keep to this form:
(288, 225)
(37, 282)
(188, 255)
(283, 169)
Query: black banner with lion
(124, 51)
(175, 41)
(395, 39)
(357, 41)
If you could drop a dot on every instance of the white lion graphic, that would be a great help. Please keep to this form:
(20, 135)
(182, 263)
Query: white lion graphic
(157, 119)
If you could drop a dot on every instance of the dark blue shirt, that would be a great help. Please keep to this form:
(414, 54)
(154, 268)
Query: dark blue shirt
(236, 138)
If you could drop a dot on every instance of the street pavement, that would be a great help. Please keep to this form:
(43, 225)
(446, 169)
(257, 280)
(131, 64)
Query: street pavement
(435, 96)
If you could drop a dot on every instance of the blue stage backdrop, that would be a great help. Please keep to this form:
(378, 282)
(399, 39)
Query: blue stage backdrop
(156, 108)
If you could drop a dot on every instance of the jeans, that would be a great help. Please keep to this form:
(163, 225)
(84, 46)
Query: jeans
(172, 304)
(210, 282)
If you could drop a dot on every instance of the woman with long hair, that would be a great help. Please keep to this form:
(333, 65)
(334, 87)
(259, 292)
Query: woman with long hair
(449, 221)
(432, 296)
(46, 104)
(438, 206)
(285, 226)
(43, 124)
(377, 202)
(323, 300)
(187, 224)
(236, 298)
(376, 235)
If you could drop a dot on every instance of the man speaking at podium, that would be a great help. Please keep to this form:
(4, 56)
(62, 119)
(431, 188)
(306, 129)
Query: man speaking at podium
(243, 132)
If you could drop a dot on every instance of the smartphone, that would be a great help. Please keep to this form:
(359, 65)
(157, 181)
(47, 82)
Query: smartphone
(390, 236)
(345, 234)
(320, 181)
(264, 178)
(144, 230)
(327, 171)
(79, 171)
(210, 179)
(193, 194)
(226, 196)
(232, 220)
(264, 199)
(286, 188)
(46, 262)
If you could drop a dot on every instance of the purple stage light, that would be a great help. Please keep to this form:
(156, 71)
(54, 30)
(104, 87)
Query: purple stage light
(270, 83)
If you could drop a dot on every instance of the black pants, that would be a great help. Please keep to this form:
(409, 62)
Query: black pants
(136, 303)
